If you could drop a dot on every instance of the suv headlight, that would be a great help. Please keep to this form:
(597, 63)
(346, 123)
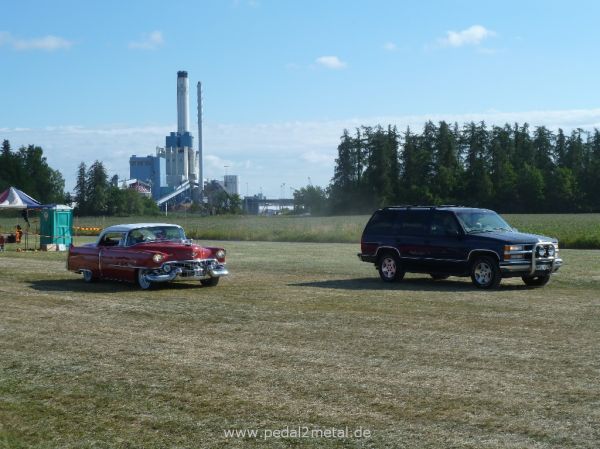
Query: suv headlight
(540, 251)
(509, 248)
(551, 251)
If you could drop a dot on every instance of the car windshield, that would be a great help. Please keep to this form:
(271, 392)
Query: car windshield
(155, 233)
(482, 221)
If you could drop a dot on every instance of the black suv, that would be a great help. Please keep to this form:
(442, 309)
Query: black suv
(455, 241)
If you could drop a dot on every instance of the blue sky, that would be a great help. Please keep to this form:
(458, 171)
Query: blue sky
(282, 79)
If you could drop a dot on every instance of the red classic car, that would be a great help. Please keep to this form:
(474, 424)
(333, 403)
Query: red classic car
(146, 253)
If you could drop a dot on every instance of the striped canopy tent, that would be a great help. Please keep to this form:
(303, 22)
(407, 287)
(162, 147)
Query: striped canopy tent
(13, 198)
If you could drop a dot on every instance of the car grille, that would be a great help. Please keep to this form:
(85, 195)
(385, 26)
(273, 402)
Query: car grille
(193, 267)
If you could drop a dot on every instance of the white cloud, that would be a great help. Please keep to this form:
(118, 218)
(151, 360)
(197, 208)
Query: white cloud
(264, 155)
(216, 163)
(45, 43)
(315, 157)
(473, 35)
(390, 46)
(150, 41)
(331, 62)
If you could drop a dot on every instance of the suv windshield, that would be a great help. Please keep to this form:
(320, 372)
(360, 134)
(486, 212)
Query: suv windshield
(154, 233)
(482, 221)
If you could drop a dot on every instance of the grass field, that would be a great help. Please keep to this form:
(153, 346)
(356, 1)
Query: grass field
(300, 334)
(573, 230)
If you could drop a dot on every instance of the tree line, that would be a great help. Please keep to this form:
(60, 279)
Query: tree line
(28, 170)
(509, 168)
(95, 195)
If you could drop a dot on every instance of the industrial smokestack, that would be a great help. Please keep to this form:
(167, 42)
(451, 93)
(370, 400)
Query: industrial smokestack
(182, 102)
(200, 171)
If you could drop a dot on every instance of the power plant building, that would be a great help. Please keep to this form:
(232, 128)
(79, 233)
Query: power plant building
(175, 173)
(231, 184)
(182, 161)
(151, 170)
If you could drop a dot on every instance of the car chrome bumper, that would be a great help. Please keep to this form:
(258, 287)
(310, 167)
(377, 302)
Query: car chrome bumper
(188, 269)
(538, 266)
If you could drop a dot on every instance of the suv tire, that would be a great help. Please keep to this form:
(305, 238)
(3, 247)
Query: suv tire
(485, 272)
(389, 268)
(536, 281)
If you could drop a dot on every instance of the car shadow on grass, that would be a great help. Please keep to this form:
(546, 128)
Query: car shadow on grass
(104, 286)
(410, 284)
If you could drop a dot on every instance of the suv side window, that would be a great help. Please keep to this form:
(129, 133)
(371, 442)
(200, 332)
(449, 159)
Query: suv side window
(414, 222)
(382, 223)
(444, 224)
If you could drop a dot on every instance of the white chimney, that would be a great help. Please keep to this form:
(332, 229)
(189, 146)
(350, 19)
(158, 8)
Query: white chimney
(182, 102)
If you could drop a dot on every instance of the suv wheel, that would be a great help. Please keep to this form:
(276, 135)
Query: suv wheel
(389, 268)
(485, 272)
(536, 281)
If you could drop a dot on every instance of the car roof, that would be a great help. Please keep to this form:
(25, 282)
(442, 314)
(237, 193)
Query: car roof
(130, 226)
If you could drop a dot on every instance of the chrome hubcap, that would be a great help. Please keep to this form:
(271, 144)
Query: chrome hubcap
(483, 273)
(388, 267)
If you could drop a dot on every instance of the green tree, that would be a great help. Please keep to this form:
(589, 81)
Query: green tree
(6, 166)
(125, 202)
(220, 202)
(311, 199)
(346, 193)
(502, 173)
(97, 189)
(478, 185)
(530, 187)
(561, 192)
(524, 150)
(381, 173)
(575, 152)
(543, 147)
(81, 190)
(560, 149)
(447, 167)
(416, 162)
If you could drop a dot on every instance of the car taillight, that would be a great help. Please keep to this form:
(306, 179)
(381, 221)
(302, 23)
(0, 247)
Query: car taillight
(368, 248)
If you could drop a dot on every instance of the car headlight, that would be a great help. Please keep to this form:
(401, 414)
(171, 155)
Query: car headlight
(551, 251)
(220, 254)
(508, 248)
(157, 257)
(540, 251)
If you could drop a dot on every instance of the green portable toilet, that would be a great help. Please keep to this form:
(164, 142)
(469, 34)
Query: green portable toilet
(55, 226)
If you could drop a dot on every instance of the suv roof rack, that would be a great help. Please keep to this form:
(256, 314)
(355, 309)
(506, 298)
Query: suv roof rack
(421, 206)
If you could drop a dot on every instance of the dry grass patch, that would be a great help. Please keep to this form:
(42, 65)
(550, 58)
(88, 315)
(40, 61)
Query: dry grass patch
(298, 335)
